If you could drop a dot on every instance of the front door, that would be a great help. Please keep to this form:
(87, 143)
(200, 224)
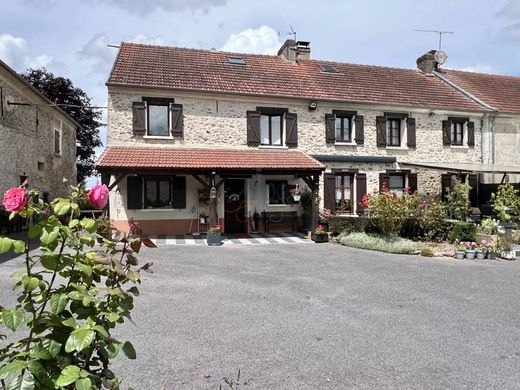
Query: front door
(235, 206)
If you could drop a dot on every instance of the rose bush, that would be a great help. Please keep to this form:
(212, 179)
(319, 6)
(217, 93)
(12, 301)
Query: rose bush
(71, 295)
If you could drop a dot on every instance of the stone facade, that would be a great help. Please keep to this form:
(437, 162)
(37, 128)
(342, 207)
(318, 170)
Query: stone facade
(27, 146)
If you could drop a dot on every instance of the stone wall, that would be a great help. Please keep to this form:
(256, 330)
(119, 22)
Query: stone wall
(27, 146)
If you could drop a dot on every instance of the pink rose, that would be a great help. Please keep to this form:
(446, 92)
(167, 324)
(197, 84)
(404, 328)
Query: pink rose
(15, 199)
(98, 196)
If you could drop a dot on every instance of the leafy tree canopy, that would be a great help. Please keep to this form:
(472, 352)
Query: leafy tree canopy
(61, 90)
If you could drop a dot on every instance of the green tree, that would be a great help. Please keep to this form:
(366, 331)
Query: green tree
(61, 90)
(457, 200)
(506, 203)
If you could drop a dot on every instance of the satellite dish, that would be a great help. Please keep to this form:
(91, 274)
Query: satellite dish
(440, 57)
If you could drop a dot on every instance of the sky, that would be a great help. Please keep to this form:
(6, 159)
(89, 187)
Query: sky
(70, 37)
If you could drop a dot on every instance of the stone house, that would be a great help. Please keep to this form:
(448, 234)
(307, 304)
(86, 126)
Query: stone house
(188, 127)
(38, 139)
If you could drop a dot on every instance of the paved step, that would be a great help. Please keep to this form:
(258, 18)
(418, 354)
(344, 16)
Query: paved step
(234, 239)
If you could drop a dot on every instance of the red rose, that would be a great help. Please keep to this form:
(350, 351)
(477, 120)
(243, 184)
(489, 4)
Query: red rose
(98, 196)
(15, 199)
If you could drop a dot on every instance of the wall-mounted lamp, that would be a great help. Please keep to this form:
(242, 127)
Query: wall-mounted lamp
(313, 105)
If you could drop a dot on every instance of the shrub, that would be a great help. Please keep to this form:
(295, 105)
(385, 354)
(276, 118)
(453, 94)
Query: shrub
(71, 295)
(458, 200)
(506, 203)
(432, 223)
(488, 226)
(462, 231)
(347, 224)
(427, 252)
(376, 243)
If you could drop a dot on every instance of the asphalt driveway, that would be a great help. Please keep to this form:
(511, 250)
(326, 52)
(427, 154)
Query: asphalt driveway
(320, 317)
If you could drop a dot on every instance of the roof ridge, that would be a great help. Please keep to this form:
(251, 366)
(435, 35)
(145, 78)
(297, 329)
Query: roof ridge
(482, 73)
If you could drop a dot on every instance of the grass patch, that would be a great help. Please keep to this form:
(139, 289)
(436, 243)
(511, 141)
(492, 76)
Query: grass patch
(377, 243)
(427, 252)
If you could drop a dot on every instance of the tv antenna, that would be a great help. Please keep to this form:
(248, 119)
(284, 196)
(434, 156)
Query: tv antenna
(287, 33)
(437, 32)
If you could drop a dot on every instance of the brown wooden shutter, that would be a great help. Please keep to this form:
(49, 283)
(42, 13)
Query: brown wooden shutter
(291, 130)
(381, 130)
(384, 180)
(361, 190)
(412, 183)
(330, 128)
(445, 185)
(329, 196)
(473, 192)
(179, 192)
(177, 120)
(359, 126)
(410, 132)
(471, 134)
(253, 128)
(446, 132)
(139, 117)
(134, 192)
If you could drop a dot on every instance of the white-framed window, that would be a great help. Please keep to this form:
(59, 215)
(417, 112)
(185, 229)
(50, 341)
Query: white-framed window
(394, 132)
(58, 135)
(271, 129)
(458, 133)
(343, 126)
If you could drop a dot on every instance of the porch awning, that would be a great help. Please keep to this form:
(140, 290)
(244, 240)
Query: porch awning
(465, 167)
(167, 159)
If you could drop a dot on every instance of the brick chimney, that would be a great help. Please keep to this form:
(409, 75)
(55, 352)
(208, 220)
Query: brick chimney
(292, 51)
(427, 63)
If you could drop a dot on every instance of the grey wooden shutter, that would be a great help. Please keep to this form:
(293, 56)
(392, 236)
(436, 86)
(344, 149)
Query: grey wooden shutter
(330, 128)
(177, 120)
(361, 190)
(179, 192)
(139, 117)
(410, 132)
(253, 128)
(412, 182)
(359, 127)
(471, 134)
(381, 130)
(329, 196)
(134, 192)
(384, 180)
(446, 132)
(291, 130)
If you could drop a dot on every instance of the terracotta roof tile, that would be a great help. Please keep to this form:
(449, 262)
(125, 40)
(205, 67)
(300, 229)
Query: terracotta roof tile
(191, 158)
(205, 70)
(500, 92)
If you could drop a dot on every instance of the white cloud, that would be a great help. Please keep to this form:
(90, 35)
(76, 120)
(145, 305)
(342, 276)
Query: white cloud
(142, 38)
(263, 40)
(14, 52)
(479, 68)
(140, 7)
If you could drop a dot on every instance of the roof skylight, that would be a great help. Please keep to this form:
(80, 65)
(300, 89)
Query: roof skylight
(236, 60)
(328, 69)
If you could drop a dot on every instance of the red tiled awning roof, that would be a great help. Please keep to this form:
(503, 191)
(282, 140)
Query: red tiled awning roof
(125, 158)
(264, 75)
(500, 92)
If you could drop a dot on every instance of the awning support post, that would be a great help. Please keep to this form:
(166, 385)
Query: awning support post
(116, 182)
(213, 214)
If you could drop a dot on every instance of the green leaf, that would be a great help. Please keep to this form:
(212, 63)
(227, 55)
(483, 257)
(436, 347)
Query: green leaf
(86, 269)
(83, 384)
(79, 339)
(73, 223)
(89, 224)
(76, 295)
(50, 262)
(129, 350)
(22, 383)
(5, 244)
(53, 347)
(62, 207)
(134, 290)
(102, 331)
(18, 246)
(30, 282)
(40, 373)
(13, 319)
(70, 322)
(34, 231)
(113, 317)
(12, 368)
(58, 303)
(67, 376)
(49, 235)
(133, 276)
(113, 350)
(86, 300)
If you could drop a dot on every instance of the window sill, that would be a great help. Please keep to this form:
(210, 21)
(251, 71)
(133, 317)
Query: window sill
(157, 209)
(459, 147)
(158, 137)
(278, 205)
(272, 147)
(345, 143)
(397, 148)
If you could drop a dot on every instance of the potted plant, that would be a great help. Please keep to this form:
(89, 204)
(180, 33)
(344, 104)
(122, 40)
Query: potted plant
(296, 193)
(480, 252)
(325, 214)
(460, 251)
(203, 218)
(320, 235)
(470, 251)
(214, 237)
(506, 247)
